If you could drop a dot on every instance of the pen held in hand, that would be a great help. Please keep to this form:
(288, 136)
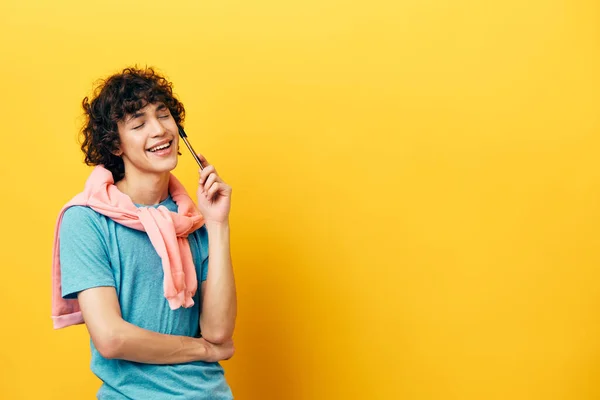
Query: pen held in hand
(189, 146)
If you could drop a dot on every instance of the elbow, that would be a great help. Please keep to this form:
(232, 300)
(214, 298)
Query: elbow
(217, 337)
(217, 331)
(109, 344)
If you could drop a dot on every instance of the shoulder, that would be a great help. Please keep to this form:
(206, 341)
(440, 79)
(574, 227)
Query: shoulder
(199, 242)
(80, 213)
(79, 219)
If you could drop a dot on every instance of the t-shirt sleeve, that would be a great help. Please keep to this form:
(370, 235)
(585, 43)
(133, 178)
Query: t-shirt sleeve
(84, 257)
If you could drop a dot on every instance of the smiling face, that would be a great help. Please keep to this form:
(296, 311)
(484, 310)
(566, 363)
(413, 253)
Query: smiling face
(149, 140)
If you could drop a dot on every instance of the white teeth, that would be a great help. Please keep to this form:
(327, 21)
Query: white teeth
(164, 146)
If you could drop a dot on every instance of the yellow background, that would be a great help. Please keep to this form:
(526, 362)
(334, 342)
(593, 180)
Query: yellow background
(416, 187)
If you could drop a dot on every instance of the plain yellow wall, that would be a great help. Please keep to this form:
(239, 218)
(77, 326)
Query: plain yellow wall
(416, 187)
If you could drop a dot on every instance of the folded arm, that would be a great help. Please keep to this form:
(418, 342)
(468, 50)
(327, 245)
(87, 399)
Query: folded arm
(219, 302)
(114, 337)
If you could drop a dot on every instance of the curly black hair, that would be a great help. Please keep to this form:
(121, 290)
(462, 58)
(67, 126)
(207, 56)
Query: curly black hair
(114, 98)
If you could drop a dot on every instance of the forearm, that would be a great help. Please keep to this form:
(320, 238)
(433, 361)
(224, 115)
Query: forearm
(219, 303)
(115, 338)
(129, 342)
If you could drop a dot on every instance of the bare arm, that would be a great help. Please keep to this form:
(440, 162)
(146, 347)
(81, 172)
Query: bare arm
(219, 302)
(117, 338)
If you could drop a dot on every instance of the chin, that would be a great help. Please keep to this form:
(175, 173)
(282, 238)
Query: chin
(165, 166)
(170, 166)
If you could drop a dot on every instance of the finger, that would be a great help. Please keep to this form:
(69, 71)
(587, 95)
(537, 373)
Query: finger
(203, 160)
(205, 173)
(214, 188)
(212, 178)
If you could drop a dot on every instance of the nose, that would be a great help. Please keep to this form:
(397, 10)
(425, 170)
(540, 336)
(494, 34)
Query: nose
(158, 129)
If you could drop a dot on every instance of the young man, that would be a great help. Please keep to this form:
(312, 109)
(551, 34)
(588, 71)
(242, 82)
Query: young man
(148, 271)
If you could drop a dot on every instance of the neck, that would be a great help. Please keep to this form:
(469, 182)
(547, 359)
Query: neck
(145, 189)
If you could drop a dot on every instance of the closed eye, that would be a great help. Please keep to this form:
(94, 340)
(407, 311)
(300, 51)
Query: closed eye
(142, 124)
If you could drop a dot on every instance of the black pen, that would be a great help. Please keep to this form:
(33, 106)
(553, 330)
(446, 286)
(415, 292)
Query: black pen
(189, 146)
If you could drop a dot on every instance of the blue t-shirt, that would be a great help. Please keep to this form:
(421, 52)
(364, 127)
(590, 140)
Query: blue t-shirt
(96, 251)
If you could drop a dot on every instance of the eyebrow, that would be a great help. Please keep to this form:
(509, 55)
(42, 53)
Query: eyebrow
(138, 114)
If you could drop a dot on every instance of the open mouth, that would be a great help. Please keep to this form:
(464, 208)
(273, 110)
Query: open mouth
(160, 147)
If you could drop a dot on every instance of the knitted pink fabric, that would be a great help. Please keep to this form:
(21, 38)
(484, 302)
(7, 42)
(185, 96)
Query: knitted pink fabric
(167, 231)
